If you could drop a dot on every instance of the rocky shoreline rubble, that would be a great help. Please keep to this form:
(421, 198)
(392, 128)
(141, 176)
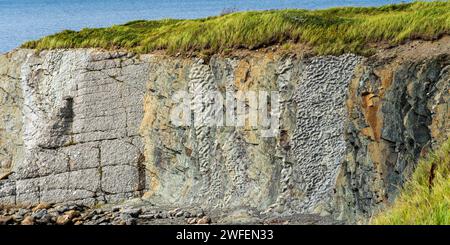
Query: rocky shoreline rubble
(48, 214)
(71, 214)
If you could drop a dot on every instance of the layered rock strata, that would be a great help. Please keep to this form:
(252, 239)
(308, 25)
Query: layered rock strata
(90, 126)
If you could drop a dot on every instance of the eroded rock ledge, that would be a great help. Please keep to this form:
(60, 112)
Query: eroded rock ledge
(90, 127)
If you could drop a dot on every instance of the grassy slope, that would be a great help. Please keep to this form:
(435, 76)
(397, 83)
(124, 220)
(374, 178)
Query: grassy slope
(424, 200)
(330, 31)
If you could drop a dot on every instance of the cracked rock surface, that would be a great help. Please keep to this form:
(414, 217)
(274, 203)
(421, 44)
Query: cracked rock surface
(87, 127)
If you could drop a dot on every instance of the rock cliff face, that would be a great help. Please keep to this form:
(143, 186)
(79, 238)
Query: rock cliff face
(398, 109)
(90, 126)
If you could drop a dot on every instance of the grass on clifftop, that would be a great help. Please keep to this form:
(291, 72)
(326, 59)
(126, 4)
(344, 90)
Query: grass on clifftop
(329, 31)
(425, 199)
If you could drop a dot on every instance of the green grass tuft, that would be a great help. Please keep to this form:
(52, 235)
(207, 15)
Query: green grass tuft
(425, 199)
(329, 31)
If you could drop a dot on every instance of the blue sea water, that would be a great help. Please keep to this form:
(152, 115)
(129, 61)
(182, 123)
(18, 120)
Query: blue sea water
(23, 20)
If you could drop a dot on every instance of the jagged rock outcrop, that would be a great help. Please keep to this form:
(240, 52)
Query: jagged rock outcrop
(398, 109)
(92, 126)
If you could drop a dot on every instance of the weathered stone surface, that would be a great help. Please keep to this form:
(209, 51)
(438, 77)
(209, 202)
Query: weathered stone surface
(396, 107)
(317, 147)
(83, 156)
(11, 104)
(87, 179)
(71, 109)
(229, 167)
(28, 198)
(51, 162)
(7, 188)
(92, 127)
(8, 200)
(119, 152)
(120, 179)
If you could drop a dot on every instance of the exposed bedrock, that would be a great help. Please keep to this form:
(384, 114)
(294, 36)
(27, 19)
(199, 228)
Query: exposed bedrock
(78, 137)
(92, 127)
(398, 109)
(229, 167)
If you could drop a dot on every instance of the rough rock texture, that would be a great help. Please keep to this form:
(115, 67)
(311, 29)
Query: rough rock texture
(230, 167)
(74, 128)
(144, 213)
(398, 107)
(10, 112)
(89, 126)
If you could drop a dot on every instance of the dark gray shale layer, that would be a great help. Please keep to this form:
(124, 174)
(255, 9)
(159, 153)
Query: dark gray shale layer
(93, 127)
